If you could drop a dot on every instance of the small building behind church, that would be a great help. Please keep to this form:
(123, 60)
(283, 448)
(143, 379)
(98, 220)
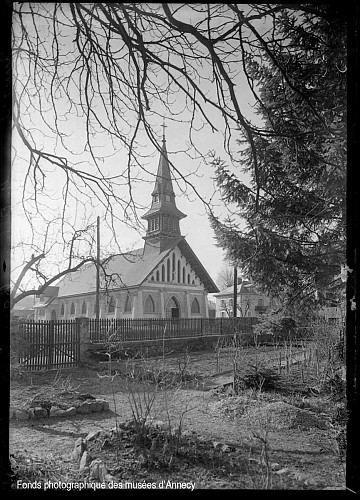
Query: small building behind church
(250, 302)
(163, 279)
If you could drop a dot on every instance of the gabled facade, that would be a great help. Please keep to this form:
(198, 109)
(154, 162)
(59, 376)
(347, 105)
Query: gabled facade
(250, 302)
(161, 280)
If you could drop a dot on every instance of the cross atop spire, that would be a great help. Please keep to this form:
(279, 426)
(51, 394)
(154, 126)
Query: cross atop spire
(164, 127)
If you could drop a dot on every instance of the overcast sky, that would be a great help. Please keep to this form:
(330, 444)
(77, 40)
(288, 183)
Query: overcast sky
(195, 227)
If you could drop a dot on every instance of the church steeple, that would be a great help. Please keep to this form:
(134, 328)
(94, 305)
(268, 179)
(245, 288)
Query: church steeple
(163, 217)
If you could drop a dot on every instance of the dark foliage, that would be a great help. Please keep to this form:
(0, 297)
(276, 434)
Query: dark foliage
(294, 209)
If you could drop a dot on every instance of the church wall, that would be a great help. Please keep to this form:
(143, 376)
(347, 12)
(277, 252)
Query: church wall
(160, 295)
(184, 296)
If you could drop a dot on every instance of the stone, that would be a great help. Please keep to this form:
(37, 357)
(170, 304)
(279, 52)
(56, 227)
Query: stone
(70, 412)
(105, 405)
(275, 466)
(311, 482)
(85, 460)
(21, 415)
(55, 411)
(282, 471)
(110, 479)
(79, 448)
(84, 408)
(156, 424)
(40, 412)
(84, 397)
(96, 406)
(98, 471)
(92, 435)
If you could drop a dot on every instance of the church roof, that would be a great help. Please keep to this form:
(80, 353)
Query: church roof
(131, 269)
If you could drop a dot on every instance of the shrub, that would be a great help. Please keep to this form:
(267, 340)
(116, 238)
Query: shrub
(257, 377)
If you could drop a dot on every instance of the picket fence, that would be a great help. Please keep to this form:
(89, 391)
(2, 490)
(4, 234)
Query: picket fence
(49, 344)
(56, 344)
(130, 330)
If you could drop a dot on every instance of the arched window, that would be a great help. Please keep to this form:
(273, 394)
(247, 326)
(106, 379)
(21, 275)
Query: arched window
(152, 278)
(62, 310)
(149, 306)
(193, 282)
(189, 278)
(128, 306)
(111, 306)
(173, 263)
(195, 306)
(157, 276)
(83, 309)
(168, 270)
(72, 309)
(179, 272)
(183, 276)
(163, 273)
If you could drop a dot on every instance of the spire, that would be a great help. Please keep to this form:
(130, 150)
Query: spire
(163, 217)
(163, 183)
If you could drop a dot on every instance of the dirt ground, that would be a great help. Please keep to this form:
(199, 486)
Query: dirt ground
(306, 459)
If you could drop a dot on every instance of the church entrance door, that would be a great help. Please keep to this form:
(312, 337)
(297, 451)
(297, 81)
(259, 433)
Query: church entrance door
(173, 309)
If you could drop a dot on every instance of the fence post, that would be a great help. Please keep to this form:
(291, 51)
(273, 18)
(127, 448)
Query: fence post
(82, 326)
(17, 339)
(50, 342)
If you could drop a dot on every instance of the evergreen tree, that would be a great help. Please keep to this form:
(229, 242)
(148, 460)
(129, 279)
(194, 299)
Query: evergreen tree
(294, 239)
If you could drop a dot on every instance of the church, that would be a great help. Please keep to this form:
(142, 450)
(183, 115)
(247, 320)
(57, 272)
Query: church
(163, 279)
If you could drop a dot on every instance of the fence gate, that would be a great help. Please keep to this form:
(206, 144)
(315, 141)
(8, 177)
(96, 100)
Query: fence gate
(49, 344)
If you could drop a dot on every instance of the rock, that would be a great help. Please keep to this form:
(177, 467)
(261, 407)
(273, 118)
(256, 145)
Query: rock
(21, 415)
(70, 412)
(79, 448)
(85, 460)
(84, 397)
(311, 482)
(55, 411)
(98, 471)
(111, 479)
(84, 408)
(274, 466)
(92, 435)
(38, 412)
(96, 406)
(105, 405)
(282, 471)
(156, 424)
(125, 425)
